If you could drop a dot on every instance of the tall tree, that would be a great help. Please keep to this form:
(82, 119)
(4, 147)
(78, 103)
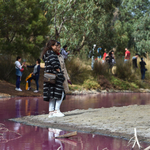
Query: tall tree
(22, 27)
(80, 23)
(135, 15)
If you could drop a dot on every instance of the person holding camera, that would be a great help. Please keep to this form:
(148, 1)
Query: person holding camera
(19, 68)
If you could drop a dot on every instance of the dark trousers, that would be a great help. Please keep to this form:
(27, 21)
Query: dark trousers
(36, 78)
(18, 80)
(142, 74)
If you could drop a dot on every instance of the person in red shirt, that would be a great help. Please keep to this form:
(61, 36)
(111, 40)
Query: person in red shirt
(127, 55)
(104, 56)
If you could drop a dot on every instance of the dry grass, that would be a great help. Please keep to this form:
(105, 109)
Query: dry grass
(77, 70)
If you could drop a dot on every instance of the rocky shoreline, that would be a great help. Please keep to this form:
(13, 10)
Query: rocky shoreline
(115, 121)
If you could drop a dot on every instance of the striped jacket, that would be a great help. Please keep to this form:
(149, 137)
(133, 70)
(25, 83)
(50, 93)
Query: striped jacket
(53, 91)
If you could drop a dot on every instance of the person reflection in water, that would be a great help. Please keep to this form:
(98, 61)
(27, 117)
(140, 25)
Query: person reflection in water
(52, 143)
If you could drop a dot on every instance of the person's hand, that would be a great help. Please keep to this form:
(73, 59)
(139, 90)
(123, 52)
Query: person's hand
(68, 51)
(25, 65)
(69, 81)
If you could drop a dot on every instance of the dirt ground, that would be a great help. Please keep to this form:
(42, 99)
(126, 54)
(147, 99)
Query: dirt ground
(8, 88)
(115, 121)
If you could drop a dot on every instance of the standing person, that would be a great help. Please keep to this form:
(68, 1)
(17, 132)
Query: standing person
(64, 53)
(18, 68)
(53, 93)
(35, 75)
(143, 69)
(134, 61)
(127, 55)
(104, 56)
(111, 61)
(63, 68)
(99, 51)
(92, 56)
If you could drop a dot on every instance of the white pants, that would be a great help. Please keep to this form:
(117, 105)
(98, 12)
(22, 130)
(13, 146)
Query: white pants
(55, 104)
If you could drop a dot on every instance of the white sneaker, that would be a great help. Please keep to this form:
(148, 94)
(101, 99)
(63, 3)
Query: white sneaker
(19, 89)
(50, 115)
(36, 91)
(16, 89)
(29, 88)
(58, 114)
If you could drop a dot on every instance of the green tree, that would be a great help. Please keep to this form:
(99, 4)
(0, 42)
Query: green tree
(134, 14)
(22, 27)
(81, 23)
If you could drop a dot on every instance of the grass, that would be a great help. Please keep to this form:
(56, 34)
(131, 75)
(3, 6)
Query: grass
(77, 70)
(82, 77)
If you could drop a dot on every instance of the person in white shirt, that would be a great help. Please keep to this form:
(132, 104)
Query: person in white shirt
(18, 68)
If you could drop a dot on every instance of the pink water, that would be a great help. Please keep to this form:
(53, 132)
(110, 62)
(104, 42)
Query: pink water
(23, 137)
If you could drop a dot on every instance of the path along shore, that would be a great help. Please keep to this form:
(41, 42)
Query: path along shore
(115, 121)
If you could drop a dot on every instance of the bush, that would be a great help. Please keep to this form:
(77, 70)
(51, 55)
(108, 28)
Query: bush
(77, 71)
(124, 71)
(123, 85)
(101, 69)
(104, 82)
(91, 84)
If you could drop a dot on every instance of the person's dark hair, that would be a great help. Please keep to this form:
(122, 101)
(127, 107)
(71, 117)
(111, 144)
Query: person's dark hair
(58, 43)
(110, 53)
(39, 61)
(18, 57)
(141, 58)
(65, 46)
(48, 46)
(137, 54)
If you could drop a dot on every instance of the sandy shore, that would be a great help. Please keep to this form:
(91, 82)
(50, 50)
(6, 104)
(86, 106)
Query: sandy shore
(115, 121)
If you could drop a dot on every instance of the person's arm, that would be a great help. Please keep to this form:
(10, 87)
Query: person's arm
(32, 66)
(18, 65)
(65, 53)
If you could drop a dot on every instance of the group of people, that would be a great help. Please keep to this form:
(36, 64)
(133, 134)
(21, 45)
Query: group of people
(54, 58)
(109, 58)
(35, 74)
(134, 62)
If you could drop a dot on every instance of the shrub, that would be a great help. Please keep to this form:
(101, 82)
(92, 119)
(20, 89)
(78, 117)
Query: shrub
(104, 82)
(77, 70)
(123, 85)
(124, 71)
(101, 69)
(91, 84)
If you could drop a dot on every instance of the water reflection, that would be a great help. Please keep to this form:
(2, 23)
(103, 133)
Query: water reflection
(43, 139)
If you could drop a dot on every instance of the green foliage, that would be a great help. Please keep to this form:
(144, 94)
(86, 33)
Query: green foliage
(22, 28)
(79, 23)
(123, 85)
(91, 84)
(135, 16)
